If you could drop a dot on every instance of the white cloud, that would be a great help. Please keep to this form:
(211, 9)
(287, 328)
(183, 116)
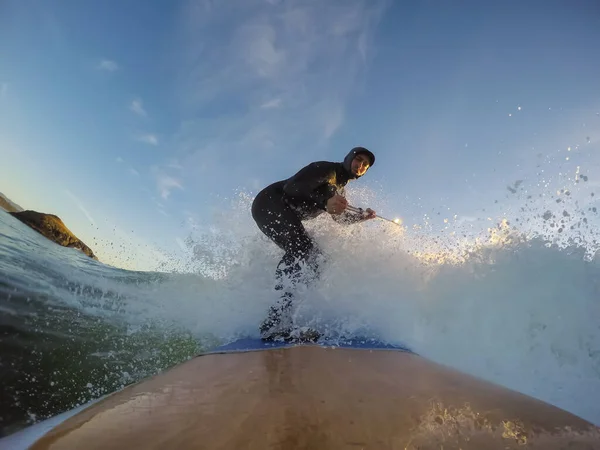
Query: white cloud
(137, 107)
(166, 183)
(3, 89)
(362, 45)
(148, 139)
(256, 184)
(294, 64)
(275, 103)
(119, 159)
(108, 65)
(134, 172)
(80, 206)
(174, 164)
(333, 120)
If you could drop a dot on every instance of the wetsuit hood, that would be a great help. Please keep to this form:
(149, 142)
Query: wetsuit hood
(350, 156)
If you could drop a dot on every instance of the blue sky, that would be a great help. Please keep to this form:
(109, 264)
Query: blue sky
(133, 120)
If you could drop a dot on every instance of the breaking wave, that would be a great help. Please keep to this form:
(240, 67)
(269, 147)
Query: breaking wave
(513, 300)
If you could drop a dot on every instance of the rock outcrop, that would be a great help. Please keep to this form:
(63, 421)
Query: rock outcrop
(53, 228)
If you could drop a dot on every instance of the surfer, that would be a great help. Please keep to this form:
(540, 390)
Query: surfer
(279, 210)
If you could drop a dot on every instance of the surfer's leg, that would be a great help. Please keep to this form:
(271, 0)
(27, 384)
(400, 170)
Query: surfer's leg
(292, 269)
(301, 254)
(283, 226)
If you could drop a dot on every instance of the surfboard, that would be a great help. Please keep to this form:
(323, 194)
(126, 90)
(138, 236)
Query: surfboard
(356, 393)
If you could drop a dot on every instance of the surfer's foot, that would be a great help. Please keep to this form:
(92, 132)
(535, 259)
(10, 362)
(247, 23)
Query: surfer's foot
(275, 324)
(303, 334)
(275, 336)
(279, 318)
(279, 325)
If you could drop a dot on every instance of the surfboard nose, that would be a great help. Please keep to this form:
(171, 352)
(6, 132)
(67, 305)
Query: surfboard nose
(314, 397)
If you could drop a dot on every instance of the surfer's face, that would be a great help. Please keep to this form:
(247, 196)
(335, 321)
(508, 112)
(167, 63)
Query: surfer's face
(360, 165)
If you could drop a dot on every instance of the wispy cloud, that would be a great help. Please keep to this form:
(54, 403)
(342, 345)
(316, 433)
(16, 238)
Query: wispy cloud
(134, 172)
(333, 120)
(3, 89)
(166, 183)
(108, 65)
(148, 139)
(80, 206)
(137, 107)
(293, 64)
(255, 184)
(174, 164)
(271, 103)
(119, 159)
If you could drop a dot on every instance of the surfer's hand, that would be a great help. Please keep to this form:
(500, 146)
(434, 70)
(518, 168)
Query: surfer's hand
(336, 204)
(369, 214)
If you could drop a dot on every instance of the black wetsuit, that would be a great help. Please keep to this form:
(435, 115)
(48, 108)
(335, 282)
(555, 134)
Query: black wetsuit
(279, 210)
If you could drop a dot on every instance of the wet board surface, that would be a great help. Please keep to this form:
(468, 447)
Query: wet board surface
(318, 397)
(357, 393)
(26, 437)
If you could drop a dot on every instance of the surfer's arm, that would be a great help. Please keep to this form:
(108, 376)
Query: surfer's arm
(350, 217)
(304, 185)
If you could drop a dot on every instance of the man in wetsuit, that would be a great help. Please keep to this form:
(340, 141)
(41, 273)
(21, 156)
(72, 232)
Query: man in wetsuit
(279, 210)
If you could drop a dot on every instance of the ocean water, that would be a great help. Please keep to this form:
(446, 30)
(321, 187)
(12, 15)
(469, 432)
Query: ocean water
(515, 307)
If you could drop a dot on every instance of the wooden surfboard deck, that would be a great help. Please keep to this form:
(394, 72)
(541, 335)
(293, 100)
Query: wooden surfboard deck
(318, 397)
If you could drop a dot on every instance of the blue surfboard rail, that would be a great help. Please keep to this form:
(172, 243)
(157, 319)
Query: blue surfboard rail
(248, 344)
